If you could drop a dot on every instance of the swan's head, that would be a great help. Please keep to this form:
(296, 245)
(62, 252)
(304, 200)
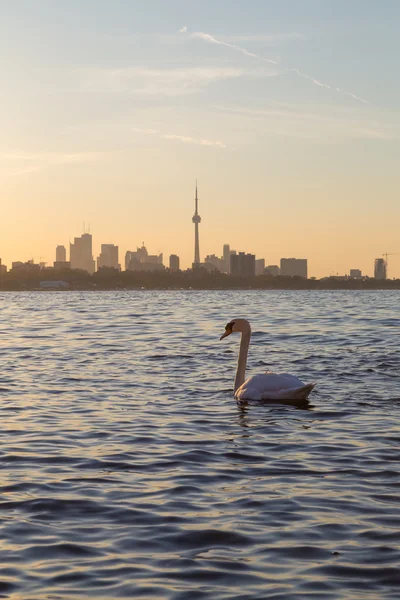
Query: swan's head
(240, 325)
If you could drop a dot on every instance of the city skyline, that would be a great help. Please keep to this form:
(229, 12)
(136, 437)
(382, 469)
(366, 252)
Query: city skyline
(287, 113)
(82, 257)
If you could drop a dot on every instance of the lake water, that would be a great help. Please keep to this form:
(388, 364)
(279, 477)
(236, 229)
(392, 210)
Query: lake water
(127, 470)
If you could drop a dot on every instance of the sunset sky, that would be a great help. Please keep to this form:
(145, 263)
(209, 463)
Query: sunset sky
(285, 110)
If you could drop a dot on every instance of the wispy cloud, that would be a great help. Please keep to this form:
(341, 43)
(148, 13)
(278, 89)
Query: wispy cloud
(170, 82)
(325, 85)
(180, 138)
(272, 38)
(212, 40)
(19, 163)
(331, 125)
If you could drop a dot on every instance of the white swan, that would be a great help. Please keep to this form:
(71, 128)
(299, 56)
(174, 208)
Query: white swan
(266, 386)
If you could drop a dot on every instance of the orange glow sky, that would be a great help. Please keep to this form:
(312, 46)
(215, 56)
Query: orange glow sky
(287, 115)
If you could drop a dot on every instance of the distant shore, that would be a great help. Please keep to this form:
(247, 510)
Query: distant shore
(110, 279)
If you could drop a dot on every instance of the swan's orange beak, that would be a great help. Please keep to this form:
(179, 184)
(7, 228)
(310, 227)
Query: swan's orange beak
(225, 334)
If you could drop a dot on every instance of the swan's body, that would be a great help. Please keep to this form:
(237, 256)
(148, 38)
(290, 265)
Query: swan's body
(266, 386)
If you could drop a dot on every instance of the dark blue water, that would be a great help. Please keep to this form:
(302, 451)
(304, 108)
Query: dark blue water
(128, 471)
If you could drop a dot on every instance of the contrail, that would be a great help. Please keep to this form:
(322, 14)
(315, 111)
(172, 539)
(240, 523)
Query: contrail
(212, 40)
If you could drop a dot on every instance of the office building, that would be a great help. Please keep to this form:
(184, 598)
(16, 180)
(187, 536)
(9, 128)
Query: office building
(141, 260)
(355, 274)
(260, 266)
(28, 266)
(213, 262)
(108, 257)
(226, 253)
(294, 267)
(61, 254)
(174, 262)
(80, 252)
(61, 265)
(380, 270)
(272, 270)
(243, 265)
(3, 268)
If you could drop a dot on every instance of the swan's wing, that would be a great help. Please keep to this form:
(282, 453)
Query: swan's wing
(273, 386)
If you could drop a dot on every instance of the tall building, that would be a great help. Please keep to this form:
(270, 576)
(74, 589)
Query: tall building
(196, 220)
(272, 270)
(380, 270)
(226, 253)
(141, 260)
(355, 274)
(174, 262)
(260, 266)
(213, 262)
(243, 265)
(3, 268)
(108, 257)
(61, 254)
(80, 253)
(294, 267)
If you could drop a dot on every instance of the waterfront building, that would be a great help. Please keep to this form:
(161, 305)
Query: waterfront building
(61, 254)
(243, 265)
(174, 262)
(141, 260)
(380, 269)
(80, 252)
(213, 262)
(355, 274)
(226, 253)
(272, 270)
(260, 266)
(61, 265)
(108, 257)
(28, 266)
(294, 267)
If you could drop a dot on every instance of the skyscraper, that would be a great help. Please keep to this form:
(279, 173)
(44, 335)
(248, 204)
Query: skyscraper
(243, 265)
(61, 254)
(80, 253)
(196, 220)
(174, 262)
(227, 257)
(260, 266)
(108, 257)
(380, 271)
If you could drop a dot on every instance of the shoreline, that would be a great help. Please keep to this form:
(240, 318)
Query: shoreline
(112, 280)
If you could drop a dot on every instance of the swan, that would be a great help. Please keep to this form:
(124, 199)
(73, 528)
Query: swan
(266, 386)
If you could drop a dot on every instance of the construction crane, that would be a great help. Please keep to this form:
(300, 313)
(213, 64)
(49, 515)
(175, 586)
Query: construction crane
(386, 254)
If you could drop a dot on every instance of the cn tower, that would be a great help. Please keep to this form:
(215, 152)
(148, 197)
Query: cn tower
(196, 220)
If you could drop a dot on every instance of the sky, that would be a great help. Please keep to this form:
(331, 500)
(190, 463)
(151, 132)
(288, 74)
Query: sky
(286, 111)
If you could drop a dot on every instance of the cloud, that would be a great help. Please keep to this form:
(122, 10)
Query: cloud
(170, 82)
(180, 138)
(210, 39)
(19, 163)
(266, 39)
(330, 124)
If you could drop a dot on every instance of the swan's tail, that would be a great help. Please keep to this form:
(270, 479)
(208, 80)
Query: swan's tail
(293, 394)
(303, 392)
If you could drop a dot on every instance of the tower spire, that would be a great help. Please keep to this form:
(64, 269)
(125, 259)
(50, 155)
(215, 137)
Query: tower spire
(196, 220)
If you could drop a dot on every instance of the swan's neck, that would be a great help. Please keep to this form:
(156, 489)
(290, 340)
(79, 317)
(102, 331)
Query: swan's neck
(242, 361)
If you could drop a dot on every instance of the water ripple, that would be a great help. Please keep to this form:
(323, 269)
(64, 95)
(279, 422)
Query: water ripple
(128, 471)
